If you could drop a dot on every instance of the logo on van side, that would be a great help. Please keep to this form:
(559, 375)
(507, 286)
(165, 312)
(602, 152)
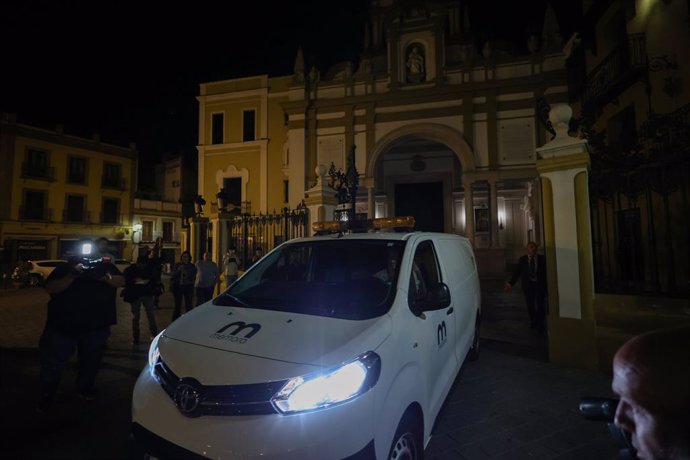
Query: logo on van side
(441, 334)
(232, 335)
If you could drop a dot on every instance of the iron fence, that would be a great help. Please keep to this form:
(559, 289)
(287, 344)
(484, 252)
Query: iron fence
(246, 232)
(640, 211)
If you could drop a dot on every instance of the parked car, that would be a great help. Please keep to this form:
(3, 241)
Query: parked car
(330, 346)
(35, 272)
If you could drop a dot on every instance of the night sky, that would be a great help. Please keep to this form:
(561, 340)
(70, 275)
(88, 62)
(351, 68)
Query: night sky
(131, 70)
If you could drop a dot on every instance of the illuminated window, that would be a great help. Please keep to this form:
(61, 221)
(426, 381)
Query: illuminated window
(147, 230)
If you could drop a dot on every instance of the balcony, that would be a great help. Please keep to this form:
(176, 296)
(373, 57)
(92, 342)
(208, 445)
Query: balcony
(117, 183)
(173, 239)
(76, 218)
(625, 65)
(156, 205)
(109, 219)
(34, 214)
(30, 171)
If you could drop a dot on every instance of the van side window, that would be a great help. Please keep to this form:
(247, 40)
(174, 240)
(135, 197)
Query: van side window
(424, 272)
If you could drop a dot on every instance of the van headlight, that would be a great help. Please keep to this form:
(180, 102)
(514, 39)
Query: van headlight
(325, 389)
(154, 354)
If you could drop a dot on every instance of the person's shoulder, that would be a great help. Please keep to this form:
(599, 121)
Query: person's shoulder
(112, 269)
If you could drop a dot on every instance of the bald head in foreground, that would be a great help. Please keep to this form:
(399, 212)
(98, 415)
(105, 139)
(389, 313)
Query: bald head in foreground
(651, 374)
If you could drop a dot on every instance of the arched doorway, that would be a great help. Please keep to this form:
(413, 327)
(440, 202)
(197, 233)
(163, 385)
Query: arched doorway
(417, 170)
(418, 177)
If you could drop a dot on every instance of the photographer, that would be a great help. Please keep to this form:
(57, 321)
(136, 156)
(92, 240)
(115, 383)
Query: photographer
(80, 312)
(651, 375)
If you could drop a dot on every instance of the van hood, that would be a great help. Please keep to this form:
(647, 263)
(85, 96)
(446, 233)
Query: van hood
(282, 336)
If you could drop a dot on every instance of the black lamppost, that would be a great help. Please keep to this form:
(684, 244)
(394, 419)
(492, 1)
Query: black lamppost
(345, 184)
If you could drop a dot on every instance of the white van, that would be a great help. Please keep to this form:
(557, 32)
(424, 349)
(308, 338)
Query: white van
(334, 346)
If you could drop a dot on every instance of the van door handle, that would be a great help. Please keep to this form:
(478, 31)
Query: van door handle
(449, 311)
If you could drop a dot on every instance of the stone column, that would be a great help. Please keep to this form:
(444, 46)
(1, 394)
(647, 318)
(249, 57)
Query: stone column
(198, 229)
(321, 199)
(217, 244)
(563, 165)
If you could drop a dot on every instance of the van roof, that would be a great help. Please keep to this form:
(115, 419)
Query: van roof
(392, 236)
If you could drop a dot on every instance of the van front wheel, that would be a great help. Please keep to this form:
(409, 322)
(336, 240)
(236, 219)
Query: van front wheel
(407, 442)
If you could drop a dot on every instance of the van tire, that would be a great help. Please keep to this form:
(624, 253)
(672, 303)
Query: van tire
(473, 354)
(407, 442)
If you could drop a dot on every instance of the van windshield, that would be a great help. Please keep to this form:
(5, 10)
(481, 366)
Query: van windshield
(347, 279)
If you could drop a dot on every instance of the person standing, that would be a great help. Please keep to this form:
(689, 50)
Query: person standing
(81, 309)
(231, 267)
(258, 254)
(140, 283)
(156, 263)
(651, 375)
(531, 271)
(207, 276)
(182, 284)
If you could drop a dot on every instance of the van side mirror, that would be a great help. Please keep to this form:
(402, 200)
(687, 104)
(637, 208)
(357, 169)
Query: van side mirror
(437, 297)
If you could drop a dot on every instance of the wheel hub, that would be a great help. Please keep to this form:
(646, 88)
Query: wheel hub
(404, 448)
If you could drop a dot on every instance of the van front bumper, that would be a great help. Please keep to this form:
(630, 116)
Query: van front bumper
(159, 429)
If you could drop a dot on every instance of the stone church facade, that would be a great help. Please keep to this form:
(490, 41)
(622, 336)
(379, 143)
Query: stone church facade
(442, 130)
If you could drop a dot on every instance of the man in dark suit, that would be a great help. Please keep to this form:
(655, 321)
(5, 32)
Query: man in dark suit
(531, 270)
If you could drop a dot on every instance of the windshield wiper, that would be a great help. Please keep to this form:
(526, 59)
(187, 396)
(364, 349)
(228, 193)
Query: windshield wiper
(237, 300)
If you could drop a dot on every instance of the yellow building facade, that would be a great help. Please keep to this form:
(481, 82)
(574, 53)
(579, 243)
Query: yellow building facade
(59, 190)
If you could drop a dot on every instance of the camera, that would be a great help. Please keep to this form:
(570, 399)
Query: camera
(94, 268)
(604, 410)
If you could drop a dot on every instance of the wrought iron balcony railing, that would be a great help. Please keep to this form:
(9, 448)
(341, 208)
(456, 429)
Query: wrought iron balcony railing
(118, 183)
(110, 219)
(38, 172)
(621, 68)
(37, 214)
(73, 217)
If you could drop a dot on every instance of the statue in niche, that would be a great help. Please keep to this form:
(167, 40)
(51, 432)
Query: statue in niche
(415, 64)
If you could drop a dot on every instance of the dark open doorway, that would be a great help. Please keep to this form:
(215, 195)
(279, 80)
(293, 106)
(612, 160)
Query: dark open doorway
(424, 201)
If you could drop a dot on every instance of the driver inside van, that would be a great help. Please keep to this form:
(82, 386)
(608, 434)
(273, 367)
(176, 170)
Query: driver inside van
(387, 273)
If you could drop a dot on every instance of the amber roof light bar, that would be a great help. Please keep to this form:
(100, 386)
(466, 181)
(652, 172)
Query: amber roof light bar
(383, 224)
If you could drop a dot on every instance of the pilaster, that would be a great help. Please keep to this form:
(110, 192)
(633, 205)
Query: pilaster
(320, 199)
(198, 234)
(563, 165)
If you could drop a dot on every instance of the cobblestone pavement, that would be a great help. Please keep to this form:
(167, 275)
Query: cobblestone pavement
(509, 404)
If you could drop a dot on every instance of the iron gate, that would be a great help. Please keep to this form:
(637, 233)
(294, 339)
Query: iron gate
(246, 232)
